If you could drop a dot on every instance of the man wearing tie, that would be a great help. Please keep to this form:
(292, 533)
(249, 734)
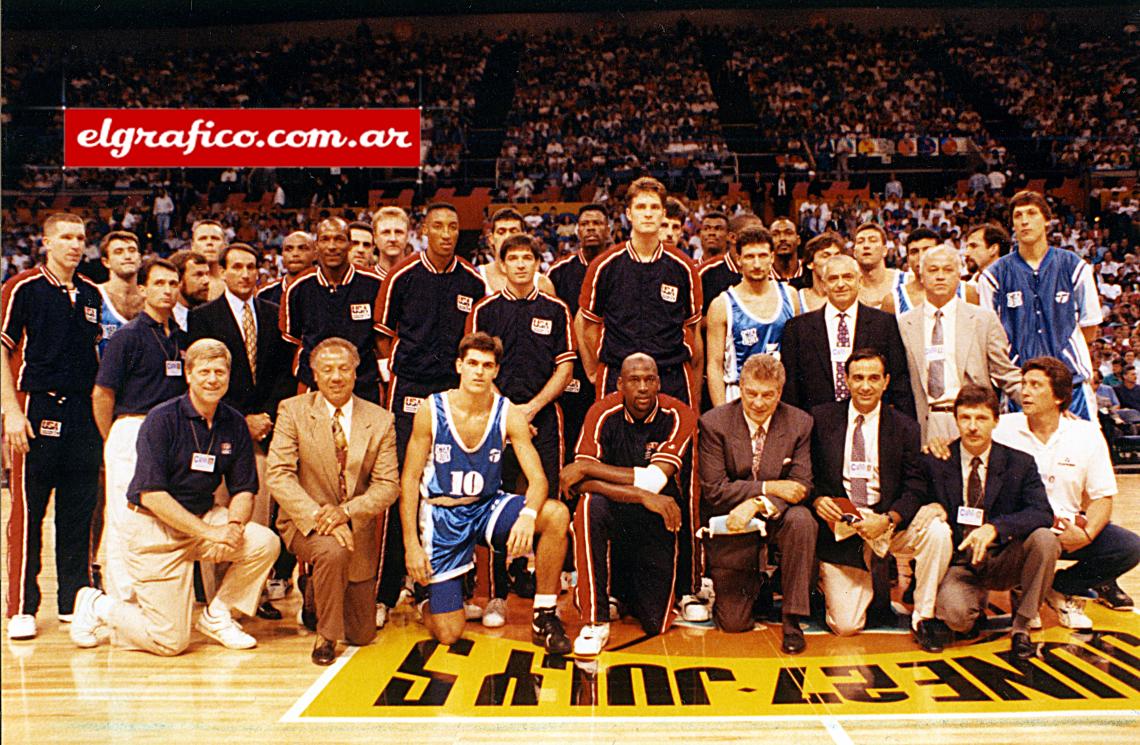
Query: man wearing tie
(755, 462)
(332, 468)
(950, 343)
(873, 468)
(994, 500)
(816, 345)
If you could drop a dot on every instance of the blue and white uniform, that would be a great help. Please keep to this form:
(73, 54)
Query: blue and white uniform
(1043, 312)
(449, 533)
(747, 335)
(111, 320)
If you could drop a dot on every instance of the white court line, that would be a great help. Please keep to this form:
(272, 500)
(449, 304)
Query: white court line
(835, 729)
(757, 718)
(294, 713)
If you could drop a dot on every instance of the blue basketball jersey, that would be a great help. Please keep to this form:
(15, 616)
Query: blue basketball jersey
(747, 335)
(454, 471)
(111, 320)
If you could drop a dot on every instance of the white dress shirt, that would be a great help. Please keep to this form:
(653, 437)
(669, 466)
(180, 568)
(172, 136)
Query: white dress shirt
(967, 459)
(870, 450)
(950, 377)
(768, 510)
(236, 305)
(831, 320)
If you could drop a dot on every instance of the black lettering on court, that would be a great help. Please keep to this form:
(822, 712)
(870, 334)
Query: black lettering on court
(1080, 677)
(493, 692)
(691, 686)
(439, 685)
(790, 689)
(655, 678)
(876, 687)
(1004, 681)
(947, 675)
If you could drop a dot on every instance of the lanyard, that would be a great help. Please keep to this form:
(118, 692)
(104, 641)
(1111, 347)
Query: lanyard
(162, 346)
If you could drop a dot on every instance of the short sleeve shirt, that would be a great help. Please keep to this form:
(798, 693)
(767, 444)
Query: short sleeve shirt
(142, 364)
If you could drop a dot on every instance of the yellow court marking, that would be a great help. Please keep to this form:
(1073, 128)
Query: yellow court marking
(405, 676)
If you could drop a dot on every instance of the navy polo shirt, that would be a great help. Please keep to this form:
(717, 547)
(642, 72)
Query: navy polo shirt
(55, 336)
(314, 309)
(644, 305)
(612, 436)
(567, 275)
(134, 365)
(717, 275)
(425, 310)
(536, 337)
(170, 436)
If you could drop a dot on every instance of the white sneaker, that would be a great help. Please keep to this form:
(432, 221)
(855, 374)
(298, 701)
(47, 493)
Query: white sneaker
(471, 611)
(66, 617)
(592, 639)
(84, 623)
(1035, 623)
(277, 589)
(381, 615)
(21, 627)
(225, 631)
(495, 614)
(707, 592)
(695, 609)
(1070, 610)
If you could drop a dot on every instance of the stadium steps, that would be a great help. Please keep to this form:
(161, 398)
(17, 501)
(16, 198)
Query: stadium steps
(737, 113)
(494, 95)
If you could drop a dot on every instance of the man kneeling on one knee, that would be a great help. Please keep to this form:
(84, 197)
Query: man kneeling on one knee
(186, 446)
(865, 462)
(332, 468)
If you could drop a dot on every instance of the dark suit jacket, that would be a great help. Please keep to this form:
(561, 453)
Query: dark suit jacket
(215, 320)
(900, 481)
(1015, 501)
(725, 462)
(806, 355)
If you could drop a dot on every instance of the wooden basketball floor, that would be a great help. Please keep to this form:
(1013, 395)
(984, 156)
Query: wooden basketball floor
(693, 684)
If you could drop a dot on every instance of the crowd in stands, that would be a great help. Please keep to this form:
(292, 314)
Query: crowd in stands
(1072, 90)
(610, 102)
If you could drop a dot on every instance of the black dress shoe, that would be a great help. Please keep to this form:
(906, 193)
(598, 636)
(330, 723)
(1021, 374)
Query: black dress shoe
(324, 651)
(268, 612)
(794, 641)
(931, 635)
(1021, 647)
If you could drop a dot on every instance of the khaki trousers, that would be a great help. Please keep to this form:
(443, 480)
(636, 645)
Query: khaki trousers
(345, 610)
(848, 593)
(160, 567)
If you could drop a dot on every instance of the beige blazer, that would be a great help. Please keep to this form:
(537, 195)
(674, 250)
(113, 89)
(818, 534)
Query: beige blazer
(981, 351)
(302, 472)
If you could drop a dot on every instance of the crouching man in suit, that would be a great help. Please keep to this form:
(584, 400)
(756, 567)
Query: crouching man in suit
(993, 497)
(755, 462)
(332, 468)
(865, 460)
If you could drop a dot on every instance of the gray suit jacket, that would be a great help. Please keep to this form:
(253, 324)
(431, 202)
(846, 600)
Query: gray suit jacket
(725, 462)
(302, 472)
(981, 350)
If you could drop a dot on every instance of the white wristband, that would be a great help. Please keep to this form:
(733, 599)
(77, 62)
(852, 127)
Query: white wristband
(385, 371)
(651, 478)
(529, 511)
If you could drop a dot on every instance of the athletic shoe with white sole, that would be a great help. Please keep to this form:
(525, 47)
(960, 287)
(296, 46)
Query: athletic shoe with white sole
(381, 615)
(225, 631)
(546, 630)
(22, 627)
(592, 639)
(694, 609)
(471, 611)
(495, 614)
(1070, 610)
(277, 589)
(1110, 595)
(85, 624)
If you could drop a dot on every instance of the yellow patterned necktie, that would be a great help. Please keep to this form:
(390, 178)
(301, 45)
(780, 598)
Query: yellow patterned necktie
(249, 331)
(341, 443)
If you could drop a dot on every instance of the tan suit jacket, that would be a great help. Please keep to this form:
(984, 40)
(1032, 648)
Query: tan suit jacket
(302, 472)
(981, 351)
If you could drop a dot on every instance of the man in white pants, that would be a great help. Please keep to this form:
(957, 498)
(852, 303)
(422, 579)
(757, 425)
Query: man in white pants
(186, 447)
(141, 368)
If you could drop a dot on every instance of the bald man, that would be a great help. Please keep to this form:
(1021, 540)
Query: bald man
(333, 299)
(297, 255)
(626, 473)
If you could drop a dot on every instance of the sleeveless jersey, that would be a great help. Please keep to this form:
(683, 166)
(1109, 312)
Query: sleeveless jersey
(454, 471)
(747, 335)
(111, 320)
